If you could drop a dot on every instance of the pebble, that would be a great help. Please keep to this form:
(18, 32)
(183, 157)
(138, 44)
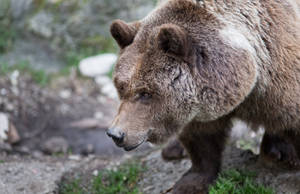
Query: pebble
(75, 157)
(95, 172)
(65, 94)
(37, 154)
(4, 126)
(56, 145)
(98, 115)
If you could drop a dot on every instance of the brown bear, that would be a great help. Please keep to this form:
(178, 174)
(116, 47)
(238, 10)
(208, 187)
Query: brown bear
(191, 66)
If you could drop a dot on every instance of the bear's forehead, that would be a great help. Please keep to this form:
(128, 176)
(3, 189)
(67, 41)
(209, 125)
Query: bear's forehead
(135, 64)
(136, 70)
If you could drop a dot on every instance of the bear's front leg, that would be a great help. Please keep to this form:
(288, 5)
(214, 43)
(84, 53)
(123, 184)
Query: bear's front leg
(174, 150)
(204, 143)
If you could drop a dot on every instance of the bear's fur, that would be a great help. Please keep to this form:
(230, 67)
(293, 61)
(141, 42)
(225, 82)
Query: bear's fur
(191, 66)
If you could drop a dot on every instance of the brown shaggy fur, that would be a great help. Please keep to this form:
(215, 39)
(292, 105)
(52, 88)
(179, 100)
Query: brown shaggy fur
(190, 67)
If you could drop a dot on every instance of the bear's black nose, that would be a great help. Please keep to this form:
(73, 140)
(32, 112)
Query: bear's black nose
(117, 135)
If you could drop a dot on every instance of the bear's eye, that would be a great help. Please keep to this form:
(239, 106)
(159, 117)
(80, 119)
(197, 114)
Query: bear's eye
(144, 96)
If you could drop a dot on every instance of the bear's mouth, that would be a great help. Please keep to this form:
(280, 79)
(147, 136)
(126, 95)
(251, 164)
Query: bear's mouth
(129, 148)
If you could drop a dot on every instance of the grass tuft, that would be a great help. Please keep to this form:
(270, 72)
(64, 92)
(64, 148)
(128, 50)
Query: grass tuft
(73, 187)
(238, 182)
(121, 180)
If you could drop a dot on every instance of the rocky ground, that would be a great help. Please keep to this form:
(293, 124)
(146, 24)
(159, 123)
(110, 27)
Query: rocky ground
(57, 133)
(61, 135)
(161, 176)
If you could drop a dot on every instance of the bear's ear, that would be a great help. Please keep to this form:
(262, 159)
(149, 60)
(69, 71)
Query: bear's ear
(172, 39)
(123, 33)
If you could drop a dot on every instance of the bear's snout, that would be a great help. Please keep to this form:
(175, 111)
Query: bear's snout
(117, 135)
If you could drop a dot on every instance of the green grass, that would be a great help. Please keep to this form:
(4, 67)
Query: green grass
(40, 77)
(73, 187)
(21, 66)
(122, 180)
(238, 182)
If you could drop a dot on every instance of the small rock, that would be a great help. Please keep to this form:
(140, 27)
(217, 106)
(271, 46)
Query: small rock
(14, 77)
(95, 172)
(99, 115)
(4, 126)
(37, 154)
(65, 94)
(24, 149)
(9, 106)
(3, 91)
(40, 24)
(97, 65)
(56, 145)
(8, 131)
(75, 157)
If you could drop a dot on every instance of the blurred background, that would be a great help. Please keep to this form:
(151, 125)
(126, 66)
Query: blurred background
(54, 35)
(56, 62)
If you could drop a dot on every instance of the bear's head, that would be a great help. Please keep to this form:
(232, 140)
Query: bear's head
(175, 67)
